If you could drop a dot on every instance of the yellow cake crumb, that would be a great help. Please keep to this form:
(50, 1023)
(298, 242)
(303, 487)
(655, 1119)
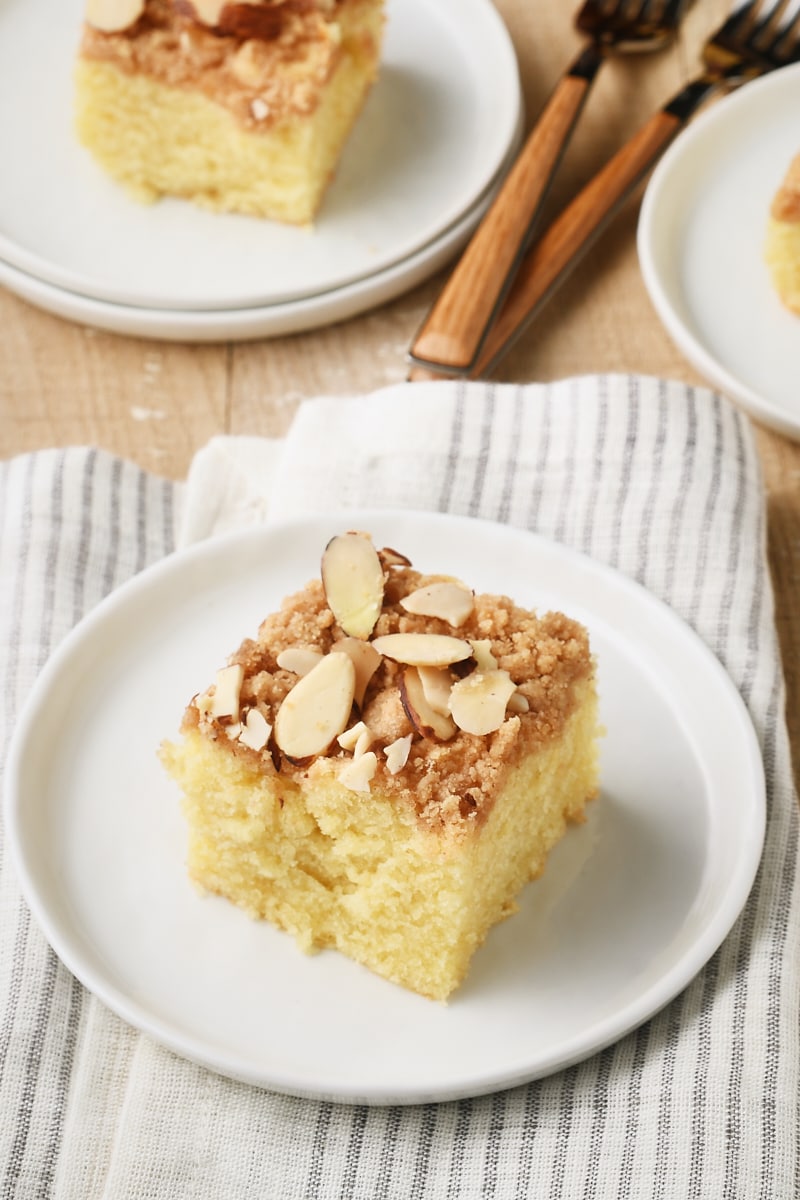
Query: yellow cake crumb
(782, 250)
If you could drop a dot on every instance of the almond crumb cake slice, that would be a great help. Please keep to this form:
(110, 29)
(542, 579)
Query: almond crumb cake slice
(239, 105)
(386, 765)
(782, 251)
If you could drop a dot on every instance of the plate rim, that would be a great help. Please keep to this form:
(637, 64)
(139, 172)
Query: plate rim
(644, 1005)
(42, 267)
(758, 406)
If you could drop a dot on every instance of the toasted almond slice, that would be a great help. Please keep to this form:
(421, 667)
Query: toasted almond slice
(208, 11)
(357, 774)
(465, 667)
(366, 661)
(233, 730)
(451, 602)
(425, 719)
(242, 19)
(393, 558)
(397, 753)
(436, 684)
(423, 649)
(256, 730)
(317, 708)
(352, 577)
(112, 16)
(225, 701)
(349, 738)
(482, 652)
(478, 702)
(298, 659)
(519, 703)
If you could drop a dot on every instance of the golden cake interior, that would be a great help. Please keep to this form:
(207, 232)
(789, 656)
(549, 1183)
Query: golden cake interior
(413, 831)
(249, 116)
(782, 251)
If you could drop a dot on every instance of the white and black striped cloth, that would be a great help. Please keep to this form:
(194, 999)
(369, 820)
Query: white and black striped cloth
(659, 480)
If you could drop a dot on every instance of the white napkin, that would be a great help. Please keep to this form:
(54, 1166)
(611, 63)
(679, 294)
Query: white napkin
(659, 480)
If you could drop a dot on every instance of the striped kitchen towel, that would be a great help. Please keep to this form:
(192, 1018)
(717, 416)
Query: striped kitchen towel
(657, 479)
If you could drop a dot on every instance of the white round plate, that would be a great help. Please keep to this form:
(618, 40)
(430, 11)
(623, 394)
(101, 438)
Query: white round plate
(433, 134)
(701, 245)
(270, 320)
(631, 905)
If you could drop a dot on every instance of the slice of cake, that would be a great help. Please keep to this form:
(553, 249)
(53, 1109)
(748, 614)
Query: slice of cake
(388, 763)
(782, 252)
(241, 106)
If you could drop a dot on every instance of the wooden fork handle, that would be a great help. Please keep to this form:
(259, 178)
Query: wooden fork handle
(572, 233)
(454, 330)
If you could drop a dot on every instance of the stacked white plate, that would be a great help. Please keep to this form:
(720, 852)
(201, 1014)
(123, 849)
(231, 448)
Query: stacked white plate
(429, 150)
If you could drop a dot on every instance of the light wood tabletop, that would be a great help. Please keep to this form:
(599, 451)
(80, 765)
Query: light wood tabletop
(157, 402)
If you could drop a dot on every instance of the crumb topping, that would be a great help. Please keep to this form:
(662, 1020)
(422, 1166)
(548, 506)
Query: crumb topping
(786, 204)
(449, 782)
(262, 79)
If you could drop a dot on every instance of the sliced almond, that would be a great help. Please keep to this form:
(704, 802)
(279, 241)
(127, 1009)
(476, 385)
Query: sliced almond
(436, 684)
(393, 558)
(349, 738)
(465, 667)
(317, 708)
(207, 11)
(298, 659)
(357, 774)
(256, 730)
(426, 720)
(112, 16)
(482, 652)
(518, 703)
(236, 18)
(478, 702)
(366, 661)
(451, 602)
(423, 649)
(232, 731)
(225, 701)
(397, 753)
(353, 579)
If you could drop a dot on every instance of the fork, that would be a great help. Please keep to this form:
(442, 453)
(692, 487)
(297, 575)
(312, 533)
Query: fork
(451, 336)
(755, 39)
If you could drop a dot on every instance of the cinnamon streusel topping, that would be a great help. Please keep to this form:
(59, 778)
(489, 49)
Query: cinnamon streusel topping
(450, 785)
(262, 80)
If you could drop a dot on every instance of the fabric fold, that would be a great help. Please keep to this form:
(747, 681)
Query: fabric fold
(656, 479)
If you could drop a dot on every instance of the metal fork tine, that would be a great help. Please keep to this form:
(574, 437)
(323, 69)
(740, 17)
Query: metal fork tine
(624, 10)
(674, 10)
(786, 45)
(740, 19)
(666, 12)
(761, 34)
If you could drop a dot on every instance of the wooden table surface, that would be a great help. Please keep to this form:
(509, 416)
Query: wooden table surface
(157, 402)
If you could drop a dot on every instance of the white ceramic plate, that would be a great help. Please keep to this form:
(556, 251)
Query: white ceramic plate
(432, 136)
(270, 320)
(631, 905)
(701, 242)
